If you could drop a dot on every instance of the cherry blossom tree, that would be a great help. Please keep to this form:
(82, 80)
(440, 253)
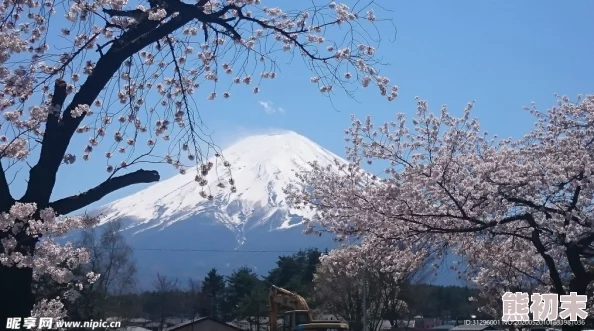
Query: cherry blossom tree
(518, 210)
(110, 72)
(340, 291)
(52, 262)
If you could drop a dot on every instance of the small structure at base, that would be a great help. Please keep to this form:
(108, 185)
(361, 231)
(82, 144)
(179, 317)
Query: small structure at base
(204, 324)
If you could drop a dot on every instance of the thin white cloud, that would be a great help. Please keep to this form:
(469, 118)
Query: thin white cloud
(269, 107)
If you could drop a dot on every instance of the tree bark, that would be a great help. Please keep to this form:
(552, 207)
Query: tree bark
(16, 298)
(580, 281)
(76, 202)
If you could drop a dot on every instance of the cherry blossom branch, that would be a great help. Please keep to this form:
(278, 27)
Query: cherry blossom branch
(213, 18)
(518, 211)
(550, 262)
(533, 277)
(549, 210)
(282, 32)
(182, 86)
(59, 132)
(76, 202)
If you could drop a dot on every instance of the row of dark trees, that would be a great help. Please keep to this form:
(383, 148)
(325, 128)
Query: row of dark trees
(243, 294)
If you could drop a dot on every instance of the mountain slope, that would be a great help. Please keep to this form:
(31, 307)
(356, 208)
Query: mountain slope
(173, 215)
(261, 166)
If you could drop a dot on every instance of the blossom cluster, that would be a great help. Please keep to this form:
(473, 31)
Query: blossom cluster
(49, 258)
(510, 207)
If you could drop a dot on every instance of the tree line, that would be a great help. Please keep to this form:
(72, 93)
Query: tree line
(242, 295)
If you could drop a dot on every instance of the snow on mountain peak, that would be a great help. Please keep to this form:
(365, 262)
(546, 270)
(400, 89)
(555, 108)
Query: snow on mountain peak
(261, 166)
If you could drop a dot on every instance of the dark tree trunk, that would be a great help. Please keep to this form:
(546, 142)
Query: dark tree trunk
(578, 284)
(16, 297)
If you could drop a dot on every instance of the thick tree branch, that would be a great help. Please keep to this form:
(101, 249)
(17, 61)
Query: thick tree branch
(59, 133)
(550, 262)
(576, 265)
(454, 200)
(40, 176)
(548, 210)
(136, 14)
(584, 246)
(574, 199)
(76, 202)
(58, 98)
(215, 18)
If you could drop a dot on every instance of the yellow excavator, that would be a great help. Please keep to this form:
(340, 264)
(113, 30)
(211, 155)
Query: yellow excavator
(299, 316)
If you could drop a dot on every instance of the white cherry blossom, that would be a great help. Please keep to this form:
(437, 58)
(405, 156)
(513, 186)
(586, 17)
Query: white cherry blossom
(519, 211)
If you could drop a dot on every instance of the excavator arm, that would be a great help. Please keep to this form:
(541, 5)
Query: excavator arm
(281, 298)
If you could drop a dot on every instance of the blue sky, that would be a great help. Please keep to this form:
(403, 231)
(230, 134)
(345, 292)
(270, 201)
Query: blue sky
(502, 54)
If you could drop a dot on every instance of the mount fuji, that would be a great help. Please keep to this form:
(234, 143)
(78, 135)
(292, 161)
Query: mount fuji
(176, 232)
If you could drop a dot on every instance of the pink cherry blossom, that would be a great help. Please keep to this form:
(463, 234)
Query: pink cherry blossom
(519, 211)
(50, 258)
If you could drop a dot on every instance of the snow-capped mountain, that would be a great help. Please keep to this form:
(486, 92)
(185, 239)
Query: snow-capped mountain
(261, 165)
(172, 215)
